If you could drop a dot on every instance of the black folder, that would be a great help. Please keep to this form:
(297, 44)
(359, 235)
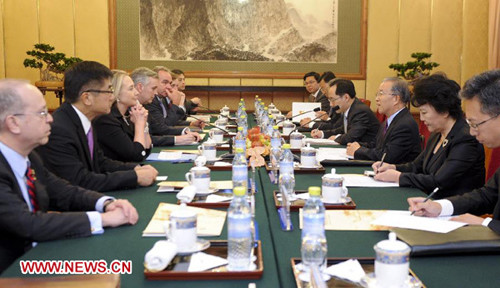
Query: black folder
(464, 240)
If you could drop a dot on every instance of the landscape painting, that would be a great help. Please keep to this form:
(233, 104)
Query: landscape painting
(288, 31)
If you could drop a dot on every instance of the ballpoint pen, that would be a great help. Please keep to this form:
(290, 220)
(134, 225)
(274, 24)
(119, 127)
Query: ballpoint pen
(427, 198)
(382, 161)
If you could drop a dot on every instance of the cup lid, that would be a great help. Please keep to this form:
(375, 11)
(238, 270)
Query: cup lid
(392, 245)
(183, 212)
(332, 175)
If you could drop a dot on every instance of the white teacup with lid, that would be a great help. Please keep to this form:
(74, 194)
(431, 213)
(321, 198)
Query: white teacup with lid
(280, 118)
(208, 149)
(225, 110)
(199, 177)
(332, 187)
(392, 262)
(181, 228)
(308, 156)
(288, 127)
(296, 139)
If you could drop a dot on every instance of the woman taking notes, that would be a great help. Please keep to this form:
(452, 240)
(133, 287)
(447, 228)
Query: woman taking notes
(453, 160)
(123, 134)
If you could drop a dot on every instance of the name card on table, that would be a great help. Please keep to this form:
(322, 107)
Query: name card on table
(209, 221)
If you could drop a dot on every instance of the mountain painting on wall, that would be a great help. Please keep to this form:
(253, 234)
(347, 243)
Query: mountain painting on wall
(239, 30)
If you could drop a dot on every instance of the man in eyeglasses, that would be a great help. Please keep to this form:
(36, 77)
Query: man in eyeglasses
(311, 82)
(28, 190)
(73, 152)
(398, 135)
(482, 108)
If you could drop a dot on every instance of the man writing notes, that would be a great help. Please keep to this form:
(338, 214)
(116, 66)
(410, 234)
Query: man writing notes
(482, 108)
(72, 152)
(357, 124)
(28, 190)
(398, 135)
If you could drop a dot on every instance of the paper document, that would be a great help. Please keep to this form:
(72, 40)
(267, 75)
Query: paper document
(332, 154)
(220, 185)
(351, 220)
(176, 156)
(209, 222)
(301, 107)
(360, 180)
(205, 118)
(317, 141)
(185, 151)
(403, 219)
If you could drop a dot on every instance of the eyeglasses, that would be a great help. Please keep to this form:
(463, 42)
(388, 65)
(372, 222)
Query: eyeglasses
(334, 99)
(380, 93)
(476, 125)
(41, 114)
(310, 83)
(110, 91)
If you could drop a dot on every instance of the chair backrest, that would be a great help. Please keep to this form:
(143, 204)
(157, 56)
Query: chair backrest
(366, 101)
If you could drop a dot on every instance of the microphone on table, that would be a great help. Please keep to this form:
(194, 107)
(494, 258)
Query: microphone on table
(230, 142)
(317, 109)
(334, 108)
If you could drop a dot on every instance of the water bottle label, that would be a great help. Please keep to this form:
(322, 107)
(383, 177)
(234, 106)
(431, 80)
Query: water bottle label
(240, 143)
(275, 142)
(313, 225)
(286, 167)
(239, 227)
(240, 173)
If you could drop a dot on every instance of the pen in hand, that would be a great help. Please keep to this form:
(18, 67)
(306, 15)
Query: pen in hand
(381, 161)
(427, 198)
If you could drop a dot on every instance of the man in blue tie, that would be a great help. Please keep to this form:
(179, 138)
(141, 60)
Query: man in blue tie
(72, 152)
(28, 190)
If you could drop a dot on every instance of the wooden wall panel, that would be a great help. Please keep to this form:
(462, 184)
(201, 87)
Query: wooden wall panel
(475, 38)
(283, 100)
(446, 36)
(20, 33)
(2, 44)
(91, 30)
(220, 98)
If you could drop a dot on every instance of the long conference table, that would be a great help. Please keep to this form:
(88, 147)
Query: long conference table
(127, 243)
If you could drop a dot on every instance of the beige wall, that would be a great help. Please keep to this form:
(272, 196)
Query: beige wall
(455, 31)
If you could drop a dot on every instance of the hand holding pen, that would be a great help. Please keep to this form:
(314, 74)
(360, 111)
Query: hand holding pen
(424, 208)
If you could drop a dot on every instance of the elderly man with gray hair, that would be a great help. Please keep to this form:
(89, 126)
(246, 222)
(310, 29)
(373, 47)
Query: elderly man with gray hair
(398, 135)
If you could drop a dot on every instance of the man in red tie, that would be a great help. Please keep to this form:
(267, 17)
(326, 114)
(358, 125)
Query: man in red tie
(398, 135)
(28, 190)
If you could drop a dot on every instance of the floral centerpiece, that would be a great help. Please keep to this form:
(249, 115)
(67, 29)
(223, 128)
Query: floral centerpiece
(258, 147)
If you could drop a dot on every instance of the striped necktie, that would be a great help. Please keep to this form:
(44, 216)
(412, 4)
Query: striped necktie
(30, 183)
(345, 123)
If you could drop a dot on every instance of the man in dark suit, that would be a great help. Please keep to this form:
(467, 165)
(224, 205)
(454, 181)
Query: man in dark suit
(480, 95)
(327, 118)
(398, 135)
(311, 82)
(72, 152)
(357, 124)
(146, 83)
(191, 105)
(28, 190)
(163, 111)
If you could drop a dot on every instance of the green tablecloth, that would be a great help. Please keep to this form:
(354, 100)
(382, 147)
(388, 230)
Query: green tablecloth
(126, 243)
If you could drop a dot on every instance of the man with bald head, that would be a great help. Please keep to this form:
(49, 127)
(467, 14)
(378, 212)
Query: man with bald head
(28, 190)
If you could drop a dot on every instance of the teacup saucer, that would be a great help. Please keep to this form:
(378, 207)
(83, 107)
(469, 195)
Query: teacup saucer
(309, 167)
(371, 282)
(200, 245)
(342, 201)
(210, 191)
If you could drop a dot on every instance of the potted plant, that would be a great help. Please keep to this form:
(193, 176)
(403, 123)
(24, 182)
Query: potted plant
(413, 70)
(51, 64)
